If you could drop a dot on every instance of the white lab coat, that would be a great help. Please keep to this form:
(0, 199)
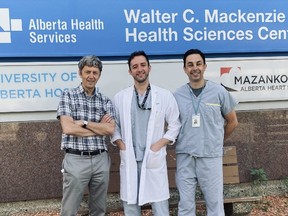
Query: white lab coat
(153, 186)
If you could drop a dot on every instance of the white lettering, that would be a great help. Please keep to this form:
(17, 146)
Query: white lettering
(264, 33)
(40, 24)
(93, 24)
(162, 34)
(242, 17)
(155, 16)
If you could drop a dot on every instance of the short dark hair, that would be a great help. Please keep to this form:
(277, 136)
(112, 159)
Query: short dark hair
(137, 53)
(193, 51)
(91, 61)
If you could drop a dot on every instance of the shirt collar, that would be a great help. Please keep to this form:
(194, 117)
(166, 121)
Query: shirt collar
(81, 90)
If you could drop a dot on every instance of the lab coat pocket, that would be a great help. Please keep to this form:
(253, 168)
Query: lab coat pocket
(123, 165)
(159, 119)
(155, 160)
(123, 157)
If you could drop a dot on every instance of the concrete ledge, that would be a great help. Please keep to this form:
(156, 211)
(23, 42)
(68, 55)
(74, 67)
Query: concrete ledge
(276, 187)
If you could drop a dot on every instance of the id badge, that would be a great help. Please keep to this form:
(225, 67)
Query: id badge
(196, 120)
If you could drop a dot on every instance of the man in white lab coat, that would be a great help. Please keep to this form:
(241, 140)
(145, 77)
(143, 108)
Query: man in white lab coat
(147, 119)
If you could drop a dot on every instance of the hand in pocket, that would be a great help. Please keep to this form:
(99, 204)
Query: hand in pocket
(155, 159)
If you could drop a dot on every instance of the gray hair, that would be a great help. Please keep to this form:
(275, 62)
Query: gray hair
(90, 61)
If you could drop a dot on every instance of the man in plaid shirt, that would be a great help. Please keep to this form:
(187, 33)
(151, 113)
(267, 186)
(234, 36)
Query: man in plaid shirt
(86, 118)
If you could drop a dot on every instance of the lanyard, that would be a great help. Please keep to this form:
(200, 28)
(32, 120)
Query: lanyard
(145, 98)
(196, 109)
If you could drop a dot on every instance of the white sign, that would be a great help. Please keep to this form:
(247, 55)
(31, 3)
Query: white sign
(254, 79)
(32, 87)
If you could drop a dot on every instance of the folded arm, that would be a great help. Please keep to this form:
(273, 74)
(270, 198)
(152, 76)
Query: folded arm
(105, 127)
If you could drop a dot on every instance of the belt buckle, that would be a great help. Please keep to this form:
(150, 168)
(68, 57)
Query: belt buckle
(85, 153)
(90, 153)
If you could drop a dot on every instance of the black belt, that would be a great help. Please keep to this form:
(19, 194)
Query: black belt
(88, 153)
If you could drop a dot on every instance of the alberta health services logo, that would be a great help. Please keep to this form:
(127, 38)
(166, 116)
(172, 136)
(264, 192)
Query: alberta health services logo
(227, 74)
(7, 25)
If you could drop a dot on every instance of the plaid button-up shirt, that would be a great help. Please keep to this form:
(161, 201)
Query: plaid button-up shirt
(78, 105)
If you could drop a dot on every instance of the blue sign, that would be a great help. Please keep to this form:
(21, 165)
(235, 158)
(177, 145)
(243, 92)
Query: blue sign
(116, 28)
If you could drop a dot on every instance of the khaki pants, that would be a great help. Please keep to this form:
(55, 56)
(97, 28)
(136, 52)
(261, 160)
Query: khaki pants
(80, 172)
